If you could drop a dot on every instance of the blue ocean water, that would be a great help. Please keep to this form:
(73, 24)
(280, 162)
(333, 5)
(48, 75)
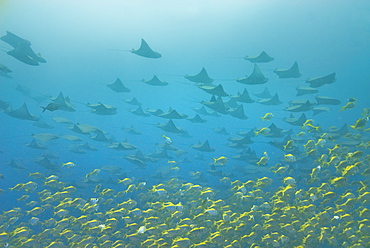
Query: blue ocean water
(79, 40)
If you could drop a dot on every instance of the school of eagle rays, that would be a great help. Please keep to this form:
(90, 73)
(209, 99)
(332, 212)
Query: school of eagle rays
(311, 191)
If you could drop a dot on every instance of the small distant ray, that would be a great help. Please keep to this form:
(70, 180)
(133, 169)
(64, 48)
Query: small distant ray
(24, 91)
(21, 113)
(203, 111)
(70, 137)
(146, 51)
(62, 120)
(306, 90)
(255, 78)
(170, 127)
(325, 100)
(197, 119)
(232, 103)
(264, 94)
(64, 102)
(275, 132)
(4, 71)
(292, 72)
(214, 90)
(15, 165)
(33, 144)
(238, 113)
(41, 123)
(217, 105)
(263, 57)
(318, 110)
(205, 147)
(272, 101)
(131, 130)
(300, 108)
(87, 146)
(246, 140)
(243, 97)
(155, 81)
(160, 154)
(296, 121)
(173, 114)
(101, 137)
(201, 78)
(221, 131)
(122, 146)
(320, 81)
(82, 129)
(140, 156)
(46, 163)
(155, 112)
(133, 101)
(77, 149)
(136, 161)
(118, 86)
(45, 137)
(102, 109)
(342, 131)
(139, 111)
(51, 107)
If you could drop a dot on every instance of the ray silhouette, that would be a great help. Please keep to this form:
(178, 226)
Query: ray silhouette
(292, 72)
(102, 109)
(155, 81)
(133, 101)
(139, 111)
(272, 101)
(263, 57)
(214, 90)
(64, 102)
(21, 113)
(201, 78)
(146, 51)
(306, 90)
(320, 81)
(296, 121)
(170, 127)
(205, 147)
(173, 114)
(238, 113)
(197, 119)
(299, 108)
(118, 86)
(325, 100)
(256, 77)
(243, 97)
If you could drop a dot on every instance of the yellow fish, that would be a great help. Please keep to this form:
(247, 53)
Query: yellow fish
(69, 164)
(290, 158)
(267, 117)
(221, 161)
(167, 139)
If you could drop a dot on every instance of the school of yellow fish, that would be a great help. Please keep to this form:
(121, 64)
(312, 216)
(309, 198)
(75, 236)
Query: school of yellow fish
(332, 209)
